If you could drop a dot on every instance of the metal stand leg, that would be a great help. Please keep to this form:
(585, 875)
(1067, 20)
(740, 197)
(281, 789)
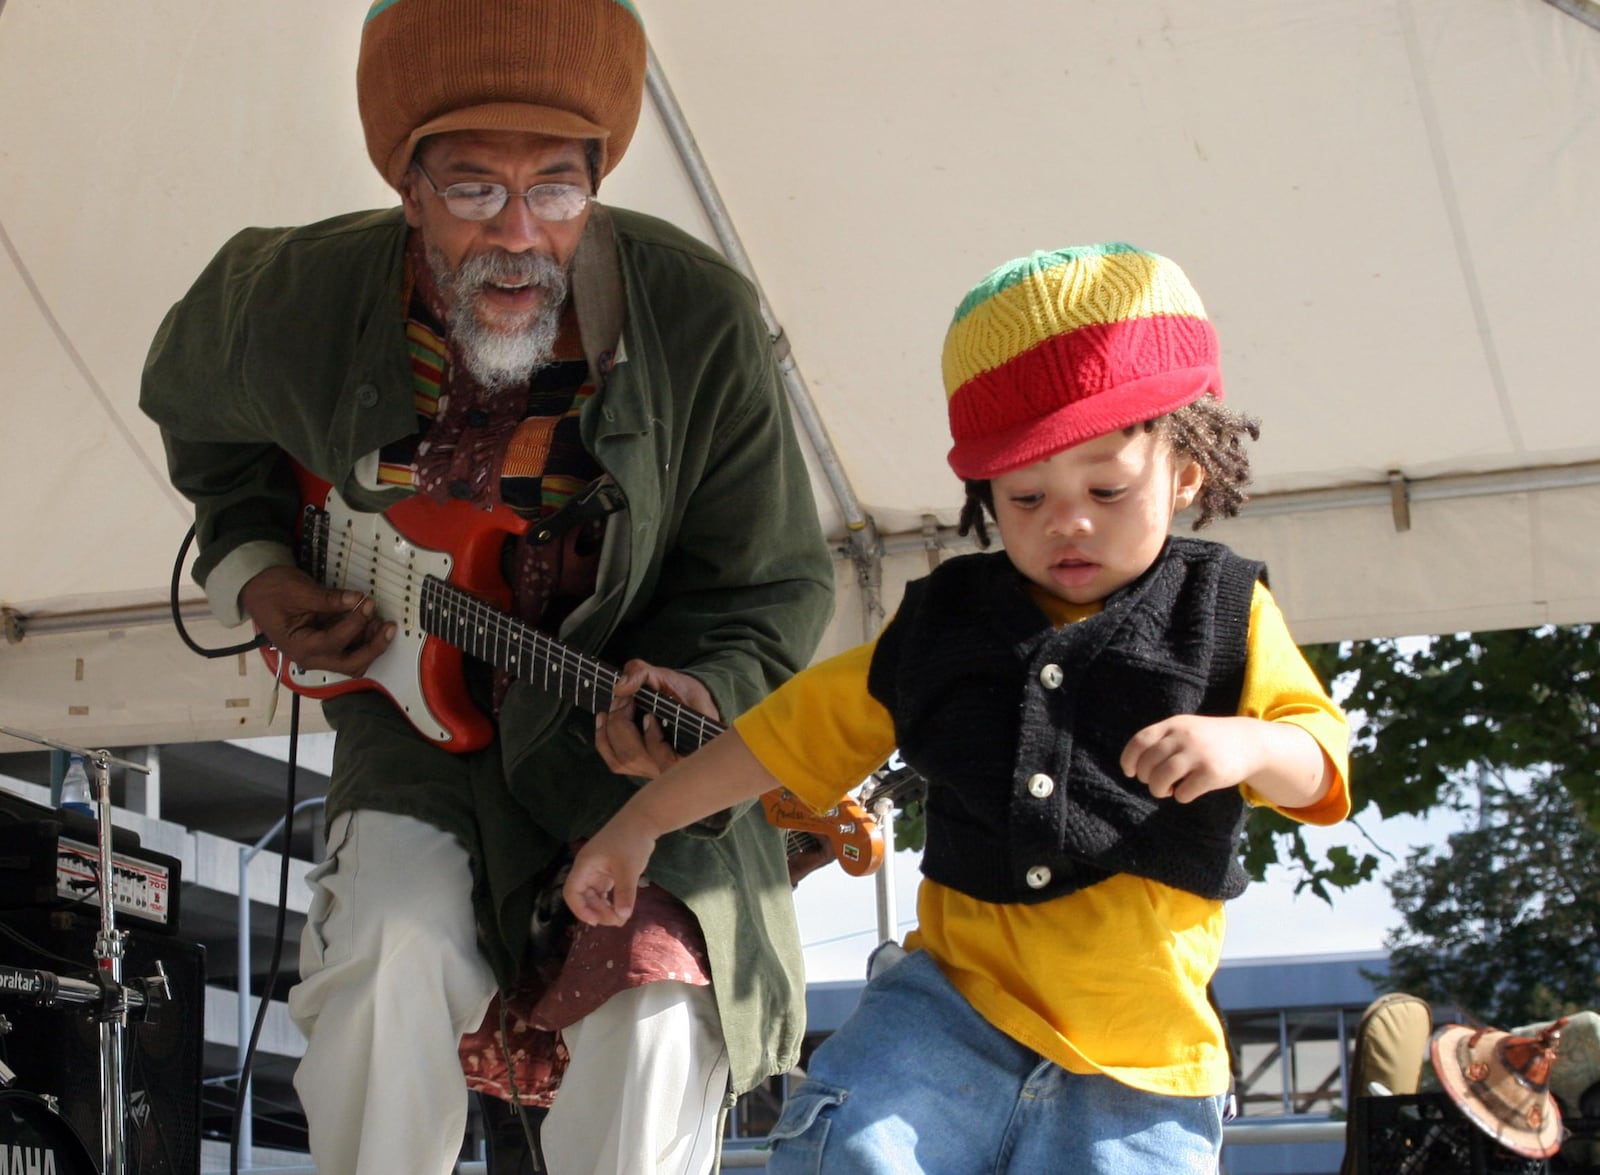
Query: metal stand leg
(113, 1013)
(888, 919)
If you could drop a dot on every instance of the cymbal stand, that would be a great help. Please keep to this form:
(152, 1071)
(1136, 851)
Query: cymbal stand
(112, 1009)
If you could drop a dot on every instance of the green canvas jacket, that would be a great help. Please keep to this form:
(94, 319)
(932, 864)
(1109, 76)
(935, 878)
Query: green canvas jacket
(291, 344)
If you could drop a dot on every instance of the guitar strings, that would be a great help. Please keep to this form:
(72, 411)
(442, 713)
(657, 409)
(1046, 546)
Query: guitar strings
(897, 786)
(364, 568)
(400, 587)
(511, 631)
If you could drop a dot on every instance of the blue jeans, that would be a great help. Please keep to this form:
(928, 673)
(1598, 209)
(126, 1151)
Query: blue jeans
(915, 1082)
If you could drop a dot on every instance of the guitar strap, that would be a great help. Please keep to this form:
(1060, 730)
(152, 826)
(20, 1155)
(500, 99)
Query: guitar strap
(600, 497)
(598, 298)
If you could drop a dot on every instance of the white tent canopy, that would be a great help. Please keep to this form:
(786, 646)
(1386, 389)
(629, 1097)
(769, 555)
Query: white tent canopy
(1386, 204)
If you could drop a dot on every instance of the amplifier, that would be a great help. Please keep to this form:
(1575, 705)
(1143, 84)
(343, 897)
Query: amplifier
(50, 860)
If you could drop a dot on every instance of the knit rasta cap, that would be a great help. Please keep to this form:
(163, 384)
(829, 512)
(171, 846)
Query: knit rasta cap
(1055, 349)
(570, 68)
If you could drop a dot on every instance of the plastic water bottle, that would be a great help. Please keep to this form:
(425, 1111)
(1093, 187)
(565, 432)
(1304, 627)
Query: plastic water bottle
(76, 795)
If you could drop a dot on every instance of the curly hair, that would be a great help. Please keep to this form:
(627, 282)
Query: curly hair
(1207, 431)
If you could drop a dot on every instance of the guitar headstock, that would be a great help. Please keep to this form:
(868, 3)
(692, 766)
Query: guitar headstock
(849, 828)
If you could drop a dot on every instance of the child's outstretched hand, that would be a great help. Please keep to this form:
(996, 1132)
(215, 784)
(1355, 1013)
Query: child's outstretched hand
(604, 879)
(605, 875)
(1189, 755)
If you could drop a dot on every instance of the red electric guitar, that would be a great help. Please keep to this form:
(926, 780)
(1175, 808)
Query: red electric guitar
(434, 570)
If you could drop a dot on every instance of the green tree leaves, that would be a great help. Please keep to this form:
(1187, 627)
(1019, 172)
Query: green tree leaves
(1503, 919)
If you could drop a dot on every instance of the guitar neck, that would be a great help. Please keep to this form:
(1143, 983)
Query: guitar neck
(517, 648)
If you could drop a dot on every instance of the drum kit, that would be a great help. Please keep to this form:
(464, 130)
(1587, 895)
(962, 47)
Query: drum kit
(34, 1135)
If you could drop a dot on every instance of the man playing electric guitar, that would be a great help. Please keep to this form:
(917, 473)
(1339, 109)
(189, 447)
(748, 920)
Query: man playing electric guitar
(504, 340)
(430, 573)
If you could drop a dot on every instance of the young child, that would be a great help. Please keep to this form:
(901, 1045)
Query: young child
(1095, 709)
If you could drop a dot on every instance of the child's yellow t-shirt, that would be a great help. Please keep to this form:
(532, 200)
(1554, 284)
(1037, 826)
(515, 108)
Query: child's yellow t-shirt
(1110, 979)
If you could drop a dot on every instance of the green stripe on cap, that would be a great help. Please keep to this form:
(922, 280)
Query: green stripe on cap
(1022, 268)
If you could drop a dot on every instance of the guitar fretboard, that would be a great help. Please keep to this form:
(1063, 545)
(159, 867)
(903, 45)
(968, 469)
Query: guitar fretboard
(516, 647)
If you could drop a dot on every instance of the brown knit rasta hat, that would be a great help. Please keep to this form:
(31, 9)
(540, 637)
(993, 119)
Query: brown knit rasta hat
(570, 68)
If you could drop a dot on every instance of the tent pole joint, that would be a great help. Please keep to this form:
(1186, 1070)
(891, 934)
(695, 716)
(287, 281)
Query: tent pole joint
(1400, 500)
(781, 349)
(866, 551)
(932, 541)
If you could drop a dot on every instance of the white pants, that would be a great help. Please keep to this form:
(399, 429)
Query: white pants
(392, 978)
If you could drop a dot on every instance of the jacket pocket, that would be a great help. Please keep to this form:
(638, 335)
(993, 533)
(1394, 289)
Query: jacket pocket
(801, 1131)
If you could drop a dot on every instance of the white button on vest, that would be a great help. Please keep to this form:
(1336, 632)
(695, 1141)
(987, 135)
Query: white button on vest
(1038, 877)
(1051, 677)
(1041, 785)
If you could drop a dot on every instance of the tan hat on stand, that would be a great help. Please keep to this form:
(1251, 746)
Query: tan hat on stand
(1501, 1083)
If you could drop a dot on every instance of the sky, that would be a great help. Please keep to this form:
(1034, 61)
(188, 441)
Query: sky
(838, 914)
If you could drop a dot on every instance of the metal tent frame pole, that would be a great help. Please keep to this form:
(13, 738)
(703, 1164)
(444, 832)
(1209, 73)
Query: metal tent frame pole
(865, 548)
(1587, 11)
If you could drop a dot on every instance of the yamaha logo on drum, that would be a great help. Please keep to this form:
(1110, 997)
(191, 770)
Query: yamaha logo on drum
(30, 1160)
(36, 1140)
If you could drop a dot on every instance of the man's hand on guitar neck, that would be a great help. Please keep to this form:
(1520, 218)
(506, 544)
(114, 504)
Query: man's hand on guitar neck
(314, 626)
(631, 745)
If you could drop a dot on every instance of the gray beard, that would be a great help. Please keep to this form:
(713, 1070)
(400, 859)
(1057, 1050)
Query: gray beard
(500, 359)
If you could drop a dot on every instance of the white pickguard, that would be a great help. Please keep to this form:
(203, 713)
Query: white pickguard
(366, 554)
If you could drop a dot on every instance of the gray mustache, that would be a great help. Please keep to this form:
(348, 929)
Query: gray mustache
(511, 269)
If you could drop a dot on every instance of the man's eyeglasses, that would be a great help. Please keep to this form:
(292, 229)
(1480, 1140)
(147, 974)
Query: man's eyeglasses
(480, 201)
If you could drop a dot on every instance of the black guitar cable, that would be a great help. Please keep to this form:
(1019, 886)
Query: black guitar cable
(277, 939)
(177, 617)
(283, 872)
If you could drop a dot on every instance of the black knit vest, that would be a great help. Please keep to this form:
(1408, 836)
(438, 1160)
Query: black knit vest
(1018, 726)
